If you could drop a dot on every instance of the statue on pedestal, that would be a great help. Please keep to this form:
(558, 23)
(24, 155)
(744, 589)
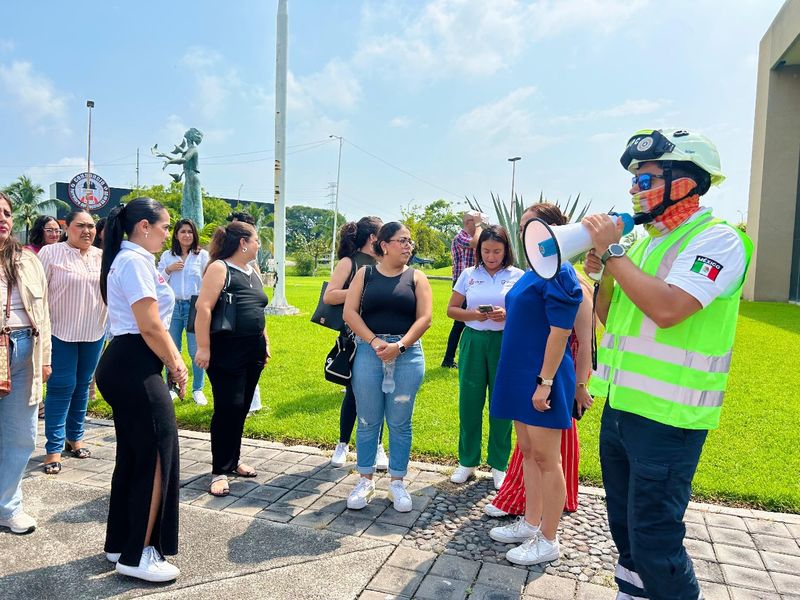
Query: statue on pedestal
(186, 154)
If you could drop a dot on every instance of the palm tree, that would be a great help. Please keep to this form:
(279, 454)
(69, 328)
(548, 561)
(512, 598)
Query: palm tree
(26, 197)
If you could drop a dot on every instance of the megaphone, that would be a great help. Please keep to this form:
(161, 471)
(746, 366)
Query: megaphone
(546, 246)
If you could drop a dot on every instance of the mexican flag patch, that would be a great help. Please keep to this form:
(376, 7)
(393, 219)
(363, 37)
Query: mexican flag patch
(706, 267)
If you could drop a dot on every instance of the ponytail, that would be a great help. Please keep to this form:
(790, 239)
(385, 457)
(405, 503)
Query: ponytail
(353, 236)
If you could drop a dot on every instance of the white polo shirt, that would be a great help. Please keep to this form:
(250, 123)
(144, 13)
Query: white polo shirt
(185, 282)
(711, 265)
(478, 287)
(133, 276)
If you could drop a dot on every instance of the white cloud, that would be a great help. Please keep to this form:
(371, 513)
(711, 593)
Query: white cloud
(335, 86)
(400, 121)
(628, 108)
(34, 96)
(63, 170)
(215, 79)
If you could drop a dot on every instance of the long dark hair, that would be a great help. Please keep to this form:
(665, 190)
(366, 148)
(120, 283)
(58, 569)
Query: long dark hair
(36, 235)
(11, 250)
(353, 235)
(98, 230)
(176, 245)
(495, 233)
(226, 240)
(120, 222)
(385, 234)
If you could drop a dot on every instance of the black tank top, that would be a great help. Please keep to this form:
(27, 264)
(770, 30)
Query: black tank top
(250, 302)
(389, 304)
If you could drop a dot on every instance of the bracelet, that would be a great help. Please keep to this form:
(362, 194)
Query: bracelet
(581, 384)
(374, 337)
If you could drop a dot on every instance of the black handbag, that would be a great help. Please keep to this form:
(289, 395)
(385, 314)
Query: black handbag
(223, 315)
(331, 315)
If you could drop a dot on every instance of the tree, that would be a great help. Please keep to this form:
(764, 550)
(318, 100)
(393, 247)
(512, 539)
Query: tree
(310, 223)
(433, 228)
(308, 253)
(26, 197)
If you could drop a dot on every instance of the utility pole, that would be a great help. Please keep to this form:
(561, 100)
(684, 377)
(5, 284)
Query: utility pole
(279, 305)
(513, 162)
(88, 182)
(137, 168)
(333, 192)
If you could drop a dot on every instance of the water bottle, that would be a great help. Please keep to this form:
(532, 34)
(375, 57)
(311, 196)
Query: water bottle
(387, 387)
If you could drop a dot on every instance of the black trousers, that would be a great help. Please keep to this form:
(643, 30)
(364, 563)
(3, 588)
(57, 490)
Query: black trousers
(129, 377)
(235, 366)
(453, 339)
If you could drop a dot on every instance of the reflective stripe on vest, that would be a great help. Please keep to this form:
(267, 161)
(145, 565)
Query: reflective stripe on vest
(676, 375)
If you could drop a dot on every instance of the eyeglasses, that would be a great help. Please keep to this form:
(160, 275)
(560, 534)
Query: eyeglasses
(645, 180)
(49, 230)
(404, 241)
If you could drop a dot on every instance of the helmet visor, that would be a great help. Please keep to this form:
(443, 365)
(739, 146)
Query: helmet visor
(646, 146)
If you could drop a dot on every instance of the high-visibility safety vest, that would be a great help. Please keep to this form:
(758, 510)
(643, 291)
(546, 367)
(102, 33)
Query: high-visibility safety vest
(678, 375)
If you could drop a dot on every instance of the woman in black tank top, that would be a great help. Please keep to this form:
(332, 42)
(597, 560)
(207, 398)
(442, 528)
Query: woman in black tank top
(233, 359)
(389, 308)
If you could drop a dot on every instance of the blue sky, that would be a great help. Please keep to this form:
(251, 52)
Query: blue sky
(431, 97)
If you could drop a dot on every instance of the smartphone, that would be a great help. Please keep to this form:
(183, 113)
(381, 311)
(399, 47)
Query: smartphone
(484, 308)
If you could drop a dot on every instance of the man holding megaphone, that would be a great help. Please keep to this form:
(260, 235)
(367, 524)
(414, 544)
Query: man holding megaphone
(670, 306)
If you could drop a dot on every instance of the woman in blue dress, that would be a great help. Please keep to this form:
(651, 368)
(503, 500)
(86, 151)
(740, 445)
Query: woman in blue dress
(535, 387)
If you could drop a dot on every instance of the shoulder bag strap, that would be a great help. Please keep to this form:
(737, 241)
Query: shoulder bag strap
(7, 313)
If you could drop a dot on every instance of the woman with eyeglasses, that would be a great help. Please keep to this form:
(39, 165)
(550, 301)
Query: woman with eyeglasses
(183, 266)
(44, 231)
(78, 318)
(389, 308)
(483, 288)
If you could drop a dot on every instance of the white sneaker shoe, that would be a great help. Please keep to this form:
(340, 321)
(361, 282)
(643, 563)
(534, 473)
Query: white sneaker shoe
(498, 477)
(255, 403)
(381, 460)
(339, 457)
(399, 495)
(21, 523)
(534, 551)
(491, 510)
(462, 473)
(152, 567)
(361, 494)
(113, 557)
(514, 533)
(199, 398)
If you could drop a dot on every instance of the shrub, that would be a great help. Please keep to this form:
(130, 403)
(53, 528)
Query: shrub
(304, 264)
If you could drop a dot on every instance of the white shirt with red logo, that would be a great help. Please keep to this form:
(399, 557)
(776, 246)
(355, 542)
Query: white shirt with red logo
(478, 287)
(711, 265)
(133, 276)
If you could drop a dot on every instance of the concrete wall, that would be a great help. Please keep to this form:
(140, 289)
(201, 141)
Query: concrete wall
(775, 171)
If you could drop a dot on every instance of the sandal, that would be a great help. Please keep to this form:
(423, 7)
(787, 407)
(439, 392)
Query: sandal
(247, 472)
(53, 468)
(225, 490)
(81, 452)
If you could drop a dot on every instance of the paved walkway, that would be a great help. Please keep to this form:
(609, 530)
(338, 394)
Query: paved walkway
(287, 534)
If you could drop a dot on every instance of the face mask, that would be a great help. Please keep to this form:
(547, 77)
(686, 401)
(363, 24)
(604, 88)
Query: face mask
(675, 214)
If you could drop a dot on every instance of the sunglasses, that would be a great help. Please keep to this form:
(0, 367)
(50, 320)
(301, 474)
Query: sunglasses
(645, 180)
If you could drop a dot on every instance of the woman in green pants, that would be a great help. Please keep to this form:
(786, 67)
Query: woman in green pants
(483, 288)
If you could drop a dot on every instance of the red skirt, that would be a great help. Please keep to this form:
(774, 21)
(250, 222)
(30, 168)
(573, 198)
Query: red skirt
(511, 496)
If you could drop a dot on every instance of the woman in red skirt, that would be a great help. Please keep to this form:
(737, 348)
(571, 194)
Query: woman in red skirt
(510, 499)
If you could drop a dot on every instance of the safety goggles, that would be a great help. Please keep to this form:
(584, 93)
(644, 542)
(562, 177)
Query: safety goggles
(645, 180)
(646, 146)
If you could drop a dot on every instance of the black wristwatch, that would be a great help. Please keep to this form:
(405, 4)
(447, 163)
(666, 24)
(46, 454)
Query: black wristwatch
(401, 346)
(614, 251)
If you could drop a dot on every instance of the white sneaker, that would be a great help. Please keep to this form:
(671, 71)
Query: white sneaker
(361, 494)
(399, 495)
(534, 551)
(21, 523)
(113, 557)
(152, 567)
(498, 477)
(339, 457)
(199, 398)
(491, 510)
(381, 460)
(255, 403)
(462, 473)
(173, 395)
(514, 533)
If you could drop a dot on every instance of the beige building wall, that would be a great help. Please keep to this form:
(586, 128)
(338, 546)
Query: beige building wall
(773, 220)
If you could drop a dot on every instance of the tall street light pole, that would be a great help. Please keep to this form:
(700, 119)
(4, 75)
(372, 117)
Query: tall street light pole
(513, 162)
(88, 186)
(336, 201)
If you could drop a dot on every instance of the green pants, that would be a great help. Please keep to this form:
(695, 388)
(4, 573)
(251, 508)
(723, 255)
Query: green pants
(479, 353)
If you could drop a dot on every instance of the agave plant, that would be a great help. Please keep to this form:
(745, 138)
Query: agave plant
(510, 219)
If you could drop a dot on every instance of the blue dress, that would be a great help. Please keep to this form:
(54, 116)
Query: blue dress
(533, 305)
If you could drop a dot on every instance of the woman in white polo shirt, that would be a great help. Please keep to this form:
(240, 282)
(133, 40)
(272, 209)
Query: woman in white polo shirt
(143, 509)
(484, 288)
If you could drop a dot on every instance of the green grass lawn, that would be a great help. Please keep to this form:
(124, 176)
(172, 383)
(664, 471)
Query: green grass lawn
(753, 458)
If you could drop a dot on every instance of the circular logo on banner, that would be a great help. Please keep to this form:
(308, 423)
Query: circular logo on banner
(94, 196)
(644, 144)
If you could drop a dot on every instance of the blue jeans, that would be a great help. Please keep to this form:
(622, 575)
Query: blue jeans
(68, 391)
(17, 424)
(180, 317)
(373, 405)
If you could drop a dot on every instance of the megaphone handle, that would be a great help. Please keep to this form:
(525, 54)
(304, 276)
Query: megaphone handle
(596, 276)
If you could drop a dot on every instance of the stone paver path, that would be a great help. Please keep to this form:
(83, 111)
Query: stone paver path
(441, 548)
